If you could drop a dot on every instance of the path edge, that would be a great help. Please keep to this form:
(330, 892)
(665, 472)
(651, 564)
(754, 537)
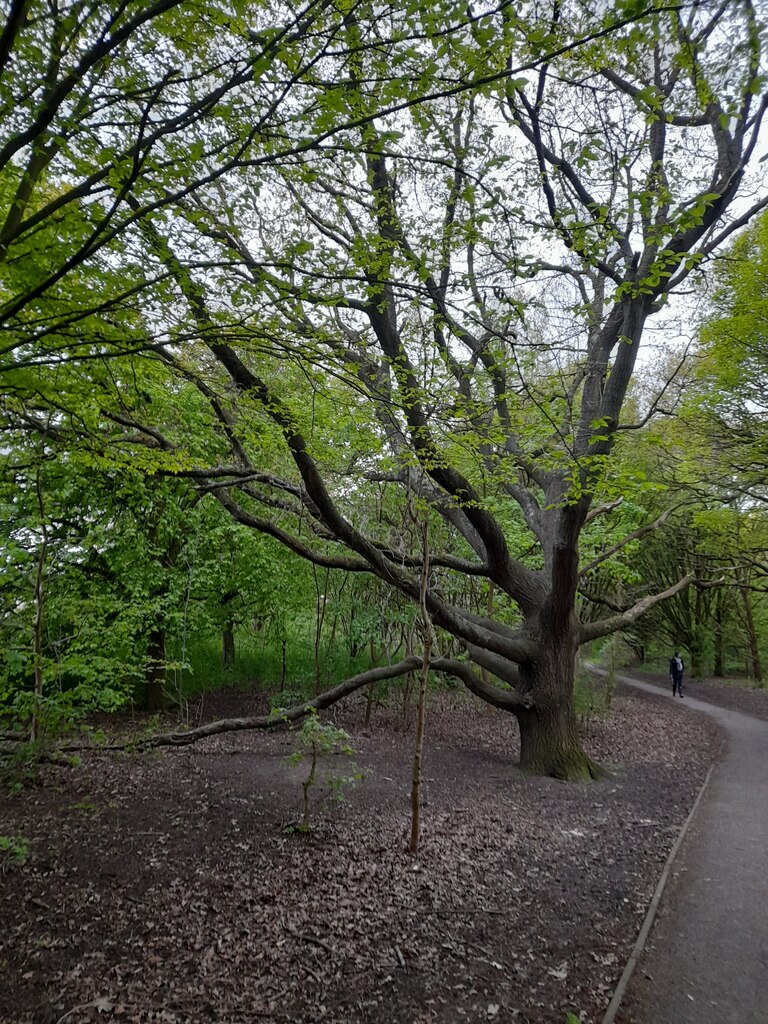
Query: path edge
(650, 917)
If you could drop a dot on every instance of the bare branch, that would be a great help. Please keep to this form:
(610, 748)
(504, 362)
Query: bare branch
(594, 630)
(635, 535)
(506, 700)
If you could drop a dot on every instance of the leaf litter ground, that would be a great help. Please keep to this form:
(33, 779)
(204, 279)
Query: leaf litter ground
(163, 888)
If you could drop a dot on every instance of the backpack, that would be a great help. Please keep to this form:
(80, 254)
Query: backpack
(676, 665)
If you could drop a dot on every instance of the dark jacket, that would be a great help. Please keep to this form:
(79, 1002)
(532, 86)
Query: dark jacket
(676, 666)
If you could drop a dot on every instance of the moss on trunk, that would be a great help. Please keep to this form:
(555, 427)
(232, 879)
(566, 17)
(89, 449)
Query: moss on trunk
(550, 745)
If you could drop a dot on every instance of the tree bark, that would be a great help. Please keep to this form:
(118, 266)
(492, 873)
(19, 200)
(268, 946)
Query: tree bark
(38, 620)
(719, 673)
(549, 734)
(418, 744)
(550, 745)
(756, 664)
(228, 646)
(38, 640)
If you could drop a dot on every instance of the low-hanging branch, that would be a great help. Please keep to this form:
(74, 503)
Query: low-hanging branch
(506, 700)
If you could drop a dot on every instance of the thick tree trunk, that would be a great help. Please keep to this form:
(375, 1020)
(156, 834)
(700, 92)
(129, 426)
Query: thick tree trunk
(550, 744)
(155, 678)
(549, 734)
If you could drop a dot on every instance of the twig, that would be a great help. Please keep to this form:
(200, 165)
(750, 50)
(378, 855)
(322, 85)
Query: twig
(314, 940)
(467, 910)
(313, 974)
(80, 1006)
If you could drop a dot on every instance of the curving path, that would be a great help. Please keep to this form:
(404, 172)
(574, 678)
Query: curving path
(706, 961)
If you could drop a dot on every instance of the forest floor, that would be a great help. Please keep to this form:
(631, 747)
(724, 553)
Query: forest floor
(164, 887)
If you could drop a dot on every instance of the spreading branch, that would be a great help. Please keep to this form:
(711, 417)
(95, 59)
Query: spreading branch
(604, 627)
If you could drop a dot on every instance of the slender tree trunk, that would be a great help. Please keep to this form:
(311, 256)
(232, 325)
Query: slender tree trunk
(228, 646)
(307, 786)
(320, 606)
(37, 628)
(38, 638)
(719, 673)
(284, 663)
(489, 612)
(418, 748)
(370, 694)
(749, 621)
(155, 677)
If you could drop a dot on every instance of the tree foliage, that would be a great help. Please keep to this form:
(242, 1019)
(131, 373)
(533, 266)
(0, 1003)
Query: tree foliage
(402, 253)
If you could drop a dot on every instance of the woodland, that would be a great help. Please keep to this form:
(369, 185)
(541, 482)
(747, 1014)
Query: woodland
(375, 356)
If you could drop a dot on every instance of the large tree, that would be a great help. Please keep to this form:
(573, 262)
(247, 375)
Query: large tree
(438, 282)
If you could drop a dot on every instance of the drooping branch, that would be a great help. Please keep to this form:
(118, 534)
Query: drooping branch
(503, 669)
(505, 700)
(273, 721)
(266, 526)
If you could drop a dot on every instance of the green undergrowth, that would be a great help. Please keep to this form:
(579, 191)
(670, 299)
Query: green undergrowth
(262, 665)
(593, 693)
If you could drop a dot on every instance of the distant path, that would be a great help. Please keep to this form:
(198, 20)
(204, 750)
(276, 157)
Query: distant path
(707, 958)
(747, 699)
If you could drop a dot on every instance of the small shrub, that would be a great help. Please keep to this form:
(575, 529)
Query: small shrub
(13, 852)
(315, 741)
(592, 694)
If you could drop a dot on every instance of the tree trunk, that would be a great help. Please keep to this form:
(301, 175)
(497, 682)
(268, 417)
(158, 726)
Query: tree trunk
(719, 673)
(369, 699)
(418, 745)
(155, 677)
(38, 640)
(550, 745)
(754, 647)
(228, 646)
(489, 612)
(549, 734)
(38, 621)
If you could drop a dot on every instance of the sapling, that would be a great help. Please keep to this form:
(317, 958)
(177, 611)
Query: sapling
(13, 852)
(314, 741)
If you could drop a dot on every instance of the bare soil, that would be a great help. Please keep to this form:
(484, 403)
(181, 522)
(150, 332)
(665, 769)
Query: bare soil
(164, 888)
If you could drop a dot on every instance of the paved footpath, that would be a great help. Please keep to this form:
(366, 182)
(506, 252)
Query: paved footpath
(706, 961)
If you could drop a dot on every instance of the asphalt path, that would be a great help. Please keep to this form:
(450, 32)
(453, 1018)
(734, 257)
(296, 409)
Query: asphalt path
(706, 961)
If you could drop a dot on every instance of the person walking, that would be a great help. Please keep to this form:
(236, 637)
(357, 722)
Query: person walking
(676, 667)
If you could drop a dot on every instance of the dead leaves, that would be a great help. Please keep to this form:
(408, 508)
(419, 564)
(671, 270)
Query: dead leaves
(181, 901)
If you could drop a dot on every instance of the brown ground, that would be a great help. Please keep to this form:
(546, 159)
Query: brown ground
(164, 888)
